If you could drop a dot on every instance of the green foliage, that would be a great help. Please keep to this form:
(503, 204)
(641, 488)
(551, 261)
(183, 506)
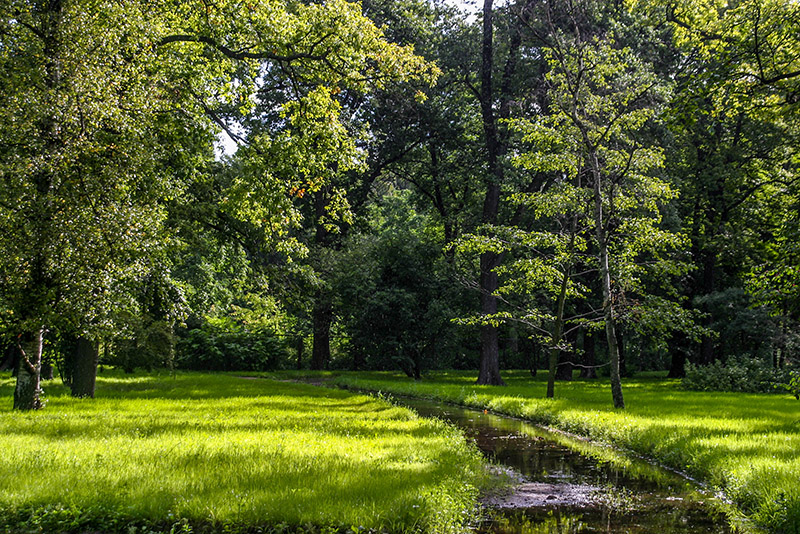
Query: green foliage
(82, 157)
(214, 453)
(228, 347)
(739, 373)
(149, 344)
(395, 296)
(793, 386)
(742, 328)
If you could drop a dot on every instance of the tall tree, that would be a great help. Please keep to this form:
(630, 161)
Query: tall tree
(602, 99)
(494, 97)
(732, 117)
(79, 185)
(84, 90)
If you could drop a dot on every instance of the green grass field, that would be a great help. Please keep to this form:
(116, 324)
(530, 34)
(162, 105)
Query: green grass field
(217, 453)
(748, 445)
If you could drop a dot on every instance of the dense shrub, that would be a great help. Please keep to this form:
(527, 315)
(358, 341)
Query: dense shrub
(149, 345)
(742, 374)
(211, 349)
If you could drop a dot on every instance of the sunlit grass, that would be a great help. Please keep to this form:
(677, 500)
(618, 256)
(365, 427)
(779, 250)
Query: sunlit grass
(223, 452)
(746, 444)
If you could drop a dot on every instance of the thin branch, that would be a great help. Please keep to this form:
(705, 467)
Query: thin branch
(240, 54)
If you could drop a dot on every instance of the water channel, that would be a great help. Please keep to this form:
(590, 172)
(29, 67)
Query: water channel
(565, 485)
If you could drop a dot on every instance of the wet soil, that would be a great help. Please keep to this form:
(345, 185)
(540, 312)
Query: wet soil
(558, 489)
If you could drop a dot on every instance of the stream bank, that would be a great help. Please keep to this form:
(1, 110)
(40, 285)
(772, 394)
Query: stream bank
(567, 485)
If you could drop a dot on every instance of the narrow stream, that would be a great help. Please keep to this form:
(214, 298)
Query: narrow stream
(570, 486)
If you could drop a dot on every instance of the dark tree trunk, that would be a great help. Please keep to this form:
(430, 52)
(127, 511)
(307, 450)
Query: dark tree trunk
(496, 148)
(623, 364)
(85, 357)
(707, 342)
(677, 367)
(564, 371)
(589, 356)
(47, 370)
(10, 359)
(489, 372)
(300, 348)
(417, 365)
(322, 318)
(557, 334)
(27, 393)
(533, 356)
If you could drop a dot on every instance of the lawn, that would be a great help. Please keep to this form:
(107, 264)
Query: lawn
(213, 453)
(745, 444)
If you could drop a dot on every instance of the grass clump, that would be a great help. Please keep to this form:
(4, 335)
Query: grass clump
(745, 444)
(218, 453)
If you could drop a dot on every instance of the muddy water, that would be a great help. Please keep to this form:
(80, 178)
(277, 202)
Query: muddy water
(565, 485)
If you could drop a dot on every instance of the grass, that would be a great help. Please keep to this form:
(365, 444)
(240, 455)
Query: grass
(200, 452)
(745, 444)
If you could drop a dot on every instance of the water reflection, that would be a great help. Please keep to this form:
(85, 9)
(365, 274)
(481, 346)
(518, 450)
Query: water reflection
(593, 488)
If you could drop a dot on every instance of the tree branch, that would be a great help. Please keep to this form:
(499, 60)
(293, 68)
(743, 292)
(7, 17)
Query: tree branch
(240, 54)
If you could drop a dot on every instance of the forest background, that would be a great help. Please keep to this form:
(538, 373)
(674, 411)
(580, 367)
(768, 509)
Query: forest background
(607, 187)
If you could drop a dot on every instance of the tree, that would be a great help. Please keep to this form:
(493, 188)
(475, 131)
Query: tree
(732, 119)
(490, 98)
(79, 181)
(391, 281)
(602, 99)
(82, 99)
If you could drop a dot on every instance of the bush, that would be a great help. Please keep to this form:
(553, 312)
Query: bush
(740, 374)
(793, 386)
(210, 349)
(150, 346)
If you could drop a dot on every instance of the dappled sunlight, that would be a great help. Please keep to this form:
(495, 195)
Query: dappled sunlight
(745, 444)
(200, 449)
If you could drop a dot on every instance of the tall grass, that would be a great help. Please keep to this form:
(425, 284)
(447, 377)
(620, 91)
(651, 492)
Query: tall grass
(223, 453)
(745, 444)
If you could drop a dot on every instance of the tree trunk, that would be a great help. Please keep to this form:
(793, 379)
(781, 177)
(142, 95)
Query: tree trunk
(533, 356)
(47, 370)
(512, 345)
(564, 372)
(85, 357)
(677, 367)
(300, 348)
(557, 333)
(623, 364)
(28, 391)
(489, 372)
(589, 356)
(707, 342)
(605, 283)
(10, 358)
(322, 318)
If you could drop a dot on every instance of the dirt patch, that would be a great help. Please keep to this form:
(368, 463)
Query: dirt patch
(541, 495)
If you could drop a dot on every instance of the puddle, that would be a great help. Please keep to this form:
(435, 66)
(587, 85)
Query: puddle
(571, 486)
